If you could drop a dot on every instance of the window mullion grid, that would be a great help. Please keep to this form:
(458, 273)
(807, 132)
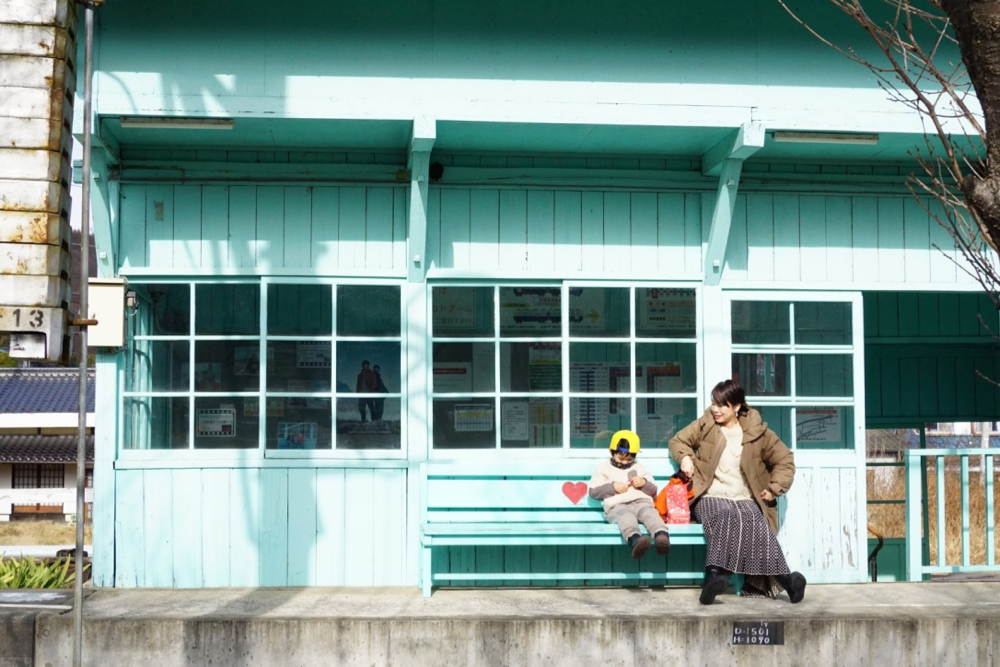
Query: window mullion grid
(564, 369)
(334, 435)
(262, 343)
(496, 367)
(192, 328)
(791, 376)
(634, 417)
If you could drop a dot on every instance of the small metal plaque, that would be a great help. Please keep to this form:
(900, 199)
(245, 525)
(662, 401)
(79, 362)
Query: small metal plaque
(759, 633)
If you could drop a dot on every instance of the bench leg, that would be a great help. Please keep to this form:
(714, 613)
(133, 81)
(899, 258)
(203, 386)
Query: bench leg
(425, 568)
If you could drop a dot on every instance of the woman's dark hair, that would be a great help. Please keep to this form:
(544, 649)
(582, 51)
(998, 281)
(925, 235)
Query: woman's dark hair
(729, 392)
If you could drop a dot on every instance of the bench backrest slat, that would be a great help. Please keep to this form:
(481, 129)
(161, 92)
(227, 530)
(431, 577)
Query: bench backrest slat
(506, 492)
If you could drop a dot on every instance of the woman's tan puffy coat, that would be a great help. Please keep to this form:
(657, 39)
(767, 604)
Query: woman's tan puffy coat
(766, 462)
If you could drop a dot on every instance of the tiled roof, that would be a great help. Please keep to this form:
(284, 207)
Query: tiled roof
(43, 390)
(42, 448)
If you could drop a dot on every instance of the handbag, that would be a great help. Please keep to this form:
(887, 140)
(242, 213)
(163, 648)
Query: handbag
(672, 500)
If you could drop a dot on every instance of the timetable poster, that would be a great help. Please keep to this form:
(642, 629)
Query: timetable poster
(474, 417)
(216, 423)
(666, 310)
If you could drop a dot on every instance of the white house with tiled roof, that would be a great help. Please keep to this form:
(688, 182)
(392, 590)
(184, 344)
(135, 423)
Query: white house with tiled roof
(39, 422)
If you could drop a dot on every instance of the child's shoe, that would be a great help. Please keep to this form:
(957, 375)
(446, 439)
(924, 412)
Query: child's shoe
(662, 542)
(640, 545)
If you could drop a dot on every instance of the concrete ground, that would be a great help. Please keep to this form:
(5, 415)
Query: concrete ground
(940, 623)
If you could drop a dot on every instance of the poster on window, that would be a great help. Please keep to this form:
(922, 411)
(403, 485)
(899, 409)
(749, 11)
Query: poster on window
(453, 308)
(297, 435)
(545, 422)
(817, 425)
(666, 310)
(312, 354)
(208, 377)
(452, 377)
(514, 420)
(545, 366)
(474, 417)
(536, 309)
(586, 309)
(216, 423)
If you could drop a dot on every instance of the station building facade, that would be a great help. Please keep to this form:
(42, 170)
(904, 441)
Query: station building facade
(360, 239)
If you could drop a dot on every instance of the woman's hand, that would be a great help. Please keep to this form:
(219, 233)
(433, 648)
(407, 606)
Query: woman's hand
(621, 487)
(638, 482)
(687, 466)
(766, 495)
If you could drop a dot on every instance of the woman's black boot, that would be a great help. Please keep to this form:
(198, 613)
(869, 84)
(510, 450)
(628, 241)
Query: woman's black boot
(715, 583)
(794, 584)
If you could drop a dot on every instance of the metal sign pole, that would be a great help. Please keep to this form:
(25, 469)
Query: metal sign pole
(81, 449)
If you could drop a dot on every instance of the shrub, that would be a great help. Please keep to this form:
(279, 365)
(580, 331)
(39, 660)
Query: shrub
(31, 573)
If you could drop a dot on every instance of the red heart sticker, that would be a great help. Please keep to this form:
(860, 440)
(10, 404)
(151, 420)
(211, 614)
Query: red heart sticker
(574, 491)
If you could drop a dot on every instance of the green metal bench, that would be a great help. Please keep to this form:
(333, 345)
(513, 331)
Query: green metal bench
(472, 503)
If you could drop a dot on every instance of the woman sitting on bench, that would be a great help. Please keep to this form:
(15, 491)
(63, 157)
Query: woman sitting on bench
(739, 468)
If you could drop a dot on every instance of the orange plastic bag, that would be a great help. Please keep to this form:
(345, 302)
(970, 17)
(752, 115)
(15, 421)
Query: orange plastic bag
(672, 500)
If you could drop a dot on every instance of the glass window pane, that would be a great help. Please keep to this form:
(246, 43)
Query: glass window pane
(303, 423)
(464, 367)
(761, 374)
(222, 365)
(156, 423)
(659, 419)
(169, 362)
(824, 375)
(169, 306)
(462, 311)
(665, 313)
(824, 427)
(594, 420)
(368, 310)
(598, 312)
(779, 420)
(531, 422)
(299, 365)
(380, 430)
(666, 368)
(227, 422)
(760, 322)
(368, 367)
(530, 367)
(303, 310)
(820, 323)
(599, 367)
(530, 311)
(227, 308)
(467, 423)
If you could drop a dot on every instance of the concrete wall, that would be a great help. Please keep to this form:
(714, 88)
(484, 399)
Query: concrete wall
(607, 641)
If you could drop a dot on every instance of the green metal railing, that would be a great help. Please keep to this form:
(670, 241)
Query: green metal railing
(916, 464)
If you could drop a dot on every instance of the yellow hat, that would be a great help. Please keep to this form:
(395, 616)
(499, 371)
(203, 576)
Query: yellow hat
(630, 437)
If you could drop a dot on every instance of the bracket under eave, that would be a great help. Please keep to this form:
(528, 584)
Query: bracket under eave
(418, 162)
(726, 160)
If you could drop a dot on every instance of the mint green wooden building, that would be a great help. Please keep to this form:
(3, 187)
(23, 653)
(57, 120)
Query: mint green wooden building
(542, 221)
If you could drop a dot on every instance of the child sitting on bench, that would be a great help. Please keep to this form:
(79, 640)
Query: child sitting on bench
(626, 489)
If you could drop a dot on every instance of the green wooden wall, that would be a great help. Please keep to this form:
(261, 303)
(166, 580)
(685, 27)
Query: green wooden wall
(928, 358)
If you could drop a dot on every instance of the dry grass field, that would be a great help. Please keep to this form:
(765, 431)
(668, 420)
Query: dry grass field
(890, 520)
(41, 532)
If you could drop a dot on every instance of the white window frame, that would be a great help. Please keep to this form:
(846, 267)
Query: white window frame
(260, 453)
(564, 340)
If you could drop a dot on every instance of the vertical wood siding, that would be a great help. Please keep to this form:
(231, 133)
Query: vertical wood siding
(261, 228)
(819, 529)
(565, 232)
(261, 527)
(927, 354)
(839, 240)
